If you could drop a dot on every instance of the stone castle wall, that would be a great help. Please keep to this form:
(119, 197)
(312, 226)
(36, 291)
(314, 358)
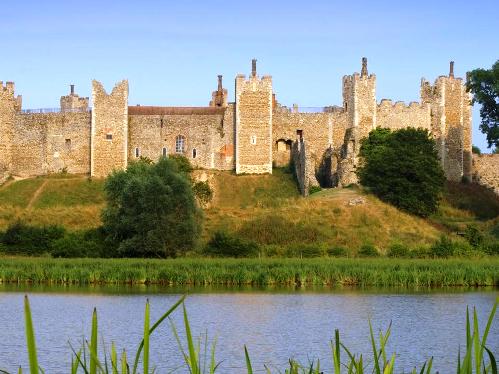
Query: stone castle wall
(51, 142)
(486, 171)
(203, 135)
(248, 135)
(399, 116)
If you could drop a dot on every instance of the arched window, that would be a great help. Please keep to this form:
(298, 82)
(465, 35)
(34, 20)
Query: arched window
(137, 152)
(180, 144)
(165, 152)
(194, 153)
(253, 139)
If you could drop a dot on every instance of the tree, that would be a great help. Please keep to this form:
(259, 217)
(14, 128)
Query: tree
(151, 210)
(403, 169)
(484, 84)
(476, 150)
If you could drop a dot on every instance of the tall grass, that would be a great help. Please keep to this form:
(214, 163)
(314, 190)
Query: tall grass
(473, 359)
(380, 272)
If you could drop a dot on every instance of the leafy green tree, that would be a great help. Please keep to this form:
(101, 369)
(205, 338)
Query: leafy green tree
(484, 84)
(403, 169)
(476, 150)
(151, 210)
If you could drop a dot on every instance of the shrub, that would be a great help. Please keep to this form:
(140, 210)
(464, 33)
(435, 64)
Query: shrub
(491, 249)
(88, 243)
(151, 210)
(182, 163)
(203, 192)
(444, 247)
(473, 236)
(398, 250)
(421, 252)
(476, 150)
(223, 244)
(403, 169)
(368, 250)
(337, 252)
(31, 240)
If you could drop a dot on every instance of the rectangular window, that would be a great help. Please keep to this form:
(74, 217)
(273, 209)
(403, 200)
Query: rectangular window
(253, 139)
(109, 136)
(137, 152)
(68, 144)
(165, 152)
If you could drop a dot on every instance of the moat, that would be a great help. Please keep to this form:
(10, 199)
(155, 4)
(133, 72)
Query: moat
(275, 324)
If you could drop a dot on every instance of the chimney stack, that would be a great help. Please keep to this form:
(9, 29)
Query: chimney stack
(363, 72)
(451, 69)
(253, 67)
(72, 89)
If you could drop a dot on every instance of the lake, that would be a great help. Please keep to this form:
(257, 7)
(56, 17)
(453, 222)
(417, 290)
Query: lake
(275, 324)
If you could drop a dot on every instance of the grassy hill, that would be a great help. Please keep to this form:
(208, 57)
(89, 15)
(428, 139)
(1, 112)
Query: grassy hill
(265, 208)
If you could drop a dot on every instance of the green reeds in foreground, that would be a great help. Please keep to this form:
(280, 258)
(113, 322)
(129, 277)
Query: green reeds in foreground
(473, 360)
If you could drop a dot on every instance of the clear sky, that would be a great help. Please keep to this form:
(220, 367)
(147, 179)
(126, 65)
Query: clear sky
(172, 51)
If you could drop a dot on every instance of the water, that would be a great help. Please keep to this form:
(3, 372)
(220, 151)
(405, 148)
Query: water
(275, 325)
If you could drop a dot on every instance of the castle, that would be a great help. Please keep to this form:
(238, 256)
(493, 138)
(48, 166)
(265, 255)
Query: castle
(249, 135)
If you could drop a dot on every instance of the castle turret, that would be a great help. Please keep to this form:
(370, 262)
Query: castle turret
(450, 123)
(72, 102)
(9, 106)
(253, 140)
(109, 134)
(359, 102)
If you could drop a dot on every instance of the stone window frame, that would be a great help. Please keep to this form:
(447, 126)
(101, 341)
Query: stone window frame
(109, 136)
(253, 139)
(180, 144)
(194, 153)
(68, 144)
(137, 152)
(164, 152)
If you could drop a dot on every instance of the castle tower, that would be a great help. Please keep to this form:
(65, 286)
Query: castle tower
(9, 106)
(451, 123)
(109, 133)
(219, 97)
(72, 102)
(359, 102)
(253, 132)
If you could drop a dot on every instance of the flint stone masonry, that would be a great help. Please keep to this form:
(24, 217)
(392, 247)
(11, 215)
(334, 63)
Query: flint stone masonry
(248, 135)
(486, 171)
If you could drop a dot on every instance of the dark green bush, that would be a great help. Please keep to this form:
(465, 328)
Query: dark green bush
(224, 244)
(368, 250)
(203, 192)
(402, 168)
(421, 252)
(88, 243)
(21, 238)
(337, 252)
(398, 250)
(491, 248)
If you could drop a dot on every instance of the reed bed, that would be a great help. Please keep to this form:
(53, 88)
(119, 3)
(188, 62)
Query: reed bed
(265, 272)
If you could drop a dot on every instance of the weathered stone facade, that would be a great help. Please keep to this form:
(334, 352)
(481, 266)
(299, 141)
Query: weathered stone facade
(486, 171)
(248, 136)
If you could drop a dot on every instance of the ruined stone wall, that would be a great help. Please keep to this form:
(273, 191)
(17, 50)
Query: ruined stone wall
(51, 142)
(109, 135)
(454, 134)
(73, 103)
(486, 171)
(304, 166)
(9, 106)
(400, 116)
(253, 139)
(204, 138)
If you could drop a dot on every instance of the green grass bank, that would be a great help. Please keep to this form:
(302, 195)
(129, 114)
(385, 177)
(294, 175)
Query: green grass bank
(202, 271)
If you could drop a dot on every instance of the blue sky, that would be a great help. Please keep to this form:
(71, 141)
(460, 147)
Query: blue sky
(171, 52)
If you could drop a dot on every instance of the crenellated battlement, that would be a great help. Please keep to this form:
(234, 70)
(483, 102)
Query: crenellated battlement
(248, 135)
